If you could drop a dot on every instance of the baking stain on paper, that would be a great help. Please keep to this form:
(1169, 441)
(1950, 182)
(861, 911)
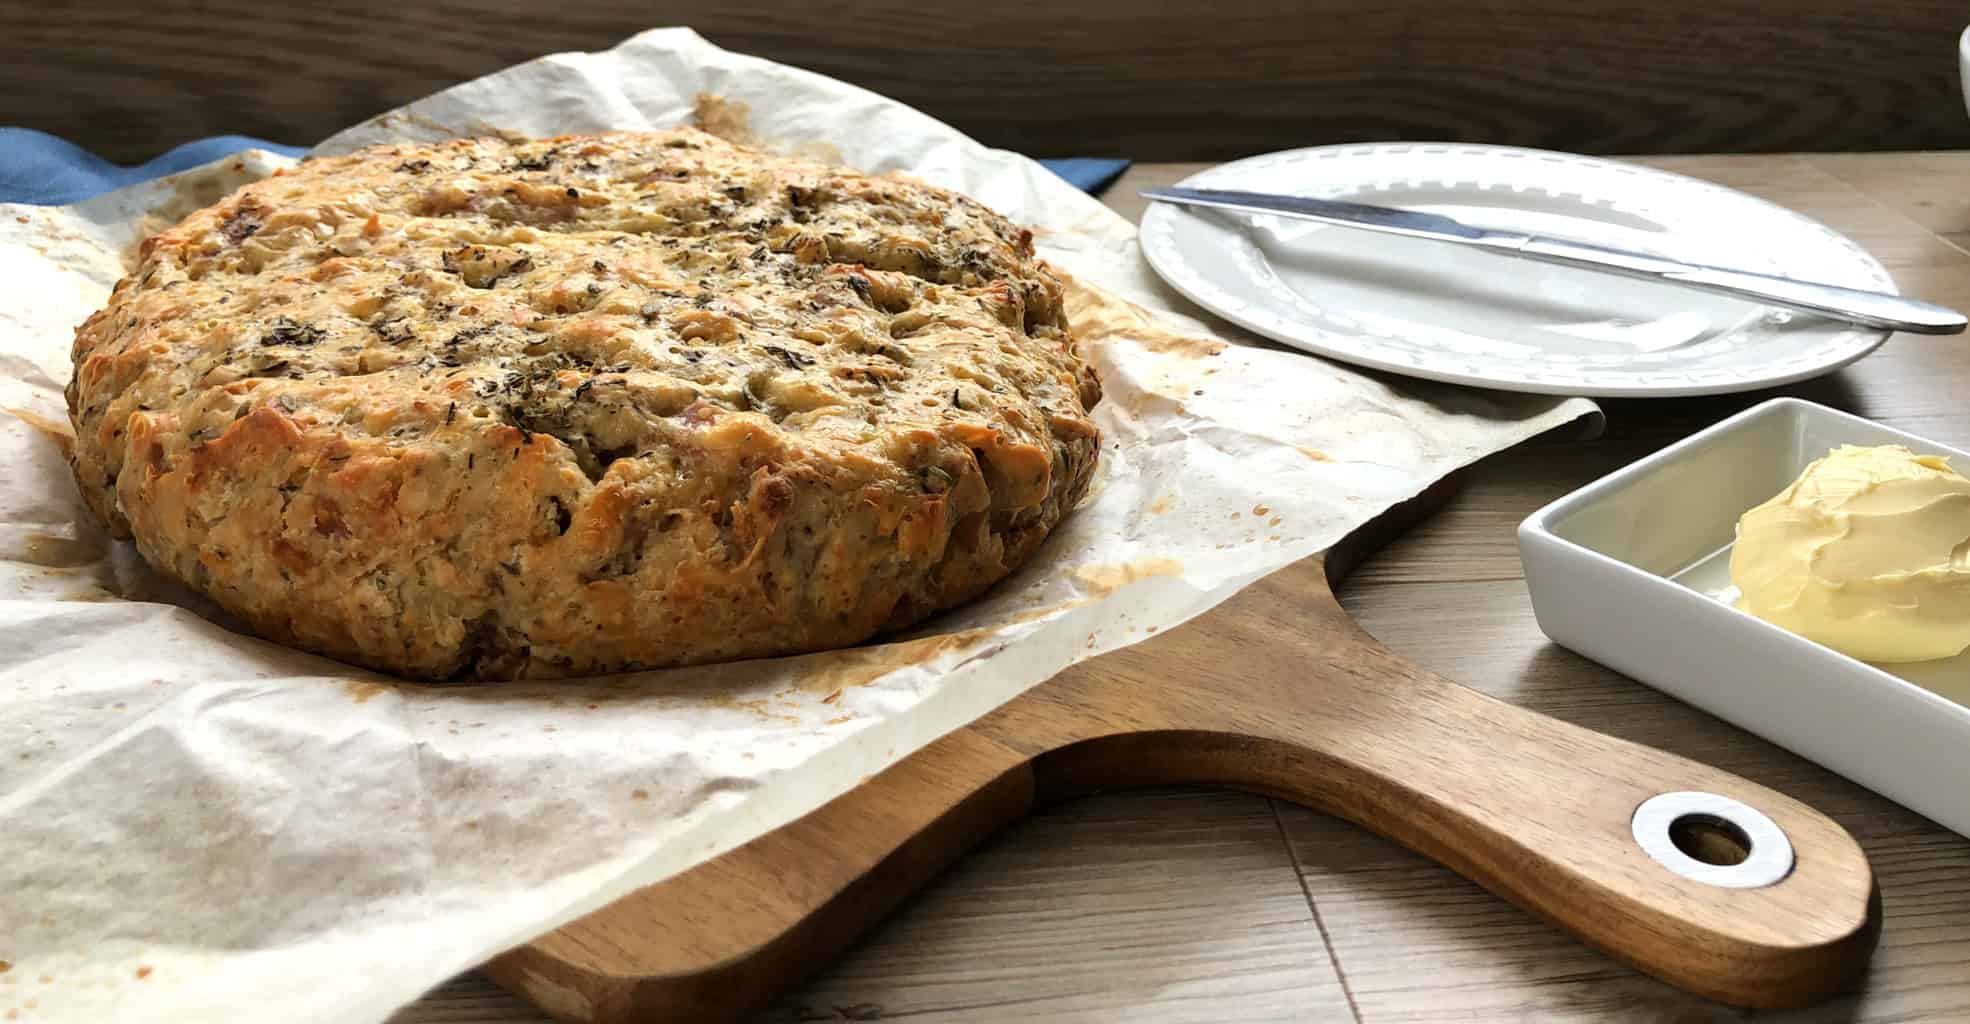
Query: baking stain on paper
(725, 118)
(58, 431)
(1316, 455)
(1162, 504)
(361, 690)
(761, 708)
(51, 552)
(859, 666)
(1098, 318)
(1106, 579)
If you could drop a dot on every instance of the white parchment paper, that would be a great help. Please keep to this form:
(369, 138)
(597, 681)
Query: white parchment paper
(198, 826)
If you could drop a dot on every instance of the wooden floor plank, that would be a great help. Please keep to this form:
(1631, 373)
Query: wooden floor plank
(1162, 906)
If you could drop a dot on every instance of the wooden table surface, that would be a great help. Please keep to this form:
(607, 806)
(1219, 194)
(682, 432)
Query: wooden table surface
(1193, 905)
(130, 78)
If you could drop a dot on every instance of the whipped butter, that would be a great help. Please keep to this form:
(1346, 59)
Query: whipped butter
(1868, 552)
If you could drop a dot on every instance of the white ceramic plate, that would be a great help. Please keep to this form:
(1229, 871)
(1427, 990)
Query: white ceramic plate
(1633, 571)
(1449, 313)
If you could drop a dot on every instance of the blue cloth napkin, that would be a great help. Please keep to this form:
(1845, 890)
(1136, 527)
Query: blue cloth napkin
(39, 168)
(1087, 173)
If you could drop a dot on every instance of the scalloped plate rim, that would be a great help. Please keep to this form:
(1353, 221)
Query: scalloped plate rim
(1176, 270)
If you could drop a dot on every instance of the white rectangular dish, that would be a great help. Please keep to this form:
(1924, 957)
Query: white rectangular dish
(1632, 571)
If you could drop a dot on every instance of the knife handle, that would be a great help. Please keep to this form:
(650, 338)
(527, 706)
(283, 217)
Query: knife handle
(1853, 305)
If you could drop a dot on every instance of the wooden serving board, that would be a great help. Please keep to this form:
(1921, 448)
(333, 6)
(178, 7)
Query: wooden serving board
(1275, 692)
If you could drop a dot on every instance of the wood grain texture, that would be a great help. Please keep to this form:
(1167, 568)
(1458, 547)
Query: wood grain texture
(1154, 81)
(1274, 692)
(1419, 944)
(1411, 940)
(729, 934)
(1218, 929)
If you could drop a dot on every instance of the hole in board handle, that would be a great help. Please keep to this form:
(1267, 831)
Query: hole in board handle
(1710, 839)
(1713, 839)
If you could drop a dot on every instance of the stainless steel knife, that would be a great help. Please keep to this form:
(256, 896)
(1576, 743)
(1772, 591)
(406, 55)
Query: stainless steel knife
(1853, 305)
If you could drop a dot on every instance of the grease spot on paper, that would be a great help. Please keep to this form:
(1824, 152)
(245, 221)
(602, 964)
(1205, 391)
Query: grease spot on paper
(1106, 579)
(725, 118)
(859, 666)
(1099, 318)
(362, 690)
(53, 552)
(58, 431)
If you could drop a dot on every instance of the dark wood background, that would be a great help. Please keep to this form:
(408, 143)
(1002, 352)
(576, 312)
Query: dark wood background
(1150, 79)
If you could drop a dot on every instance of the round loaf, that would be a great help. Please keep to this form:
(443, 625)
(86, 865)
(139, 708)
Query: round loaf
(495, 408)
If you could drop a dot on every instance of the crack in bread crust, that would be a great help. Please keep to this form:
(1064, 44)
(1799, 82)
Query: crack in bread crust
(494, 408)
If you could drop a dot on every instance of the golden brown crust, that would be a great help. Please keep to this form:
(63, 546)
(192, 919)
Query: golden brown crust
(568, 406)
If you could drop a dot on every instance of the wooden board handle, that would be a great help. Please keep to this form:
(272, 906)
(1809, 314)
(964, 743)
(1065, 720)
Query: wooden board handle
(723, 938)
(1278, 693)
(1540, 812)
(1291, 699)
